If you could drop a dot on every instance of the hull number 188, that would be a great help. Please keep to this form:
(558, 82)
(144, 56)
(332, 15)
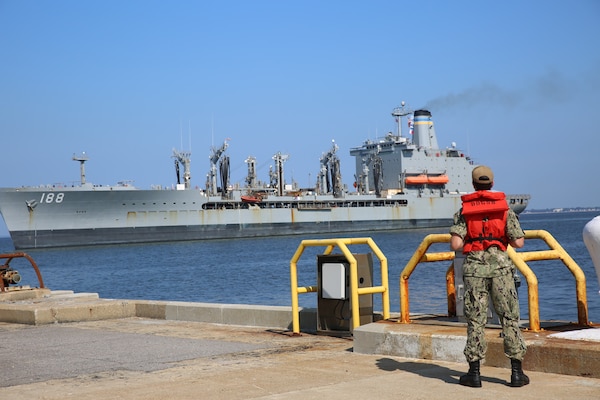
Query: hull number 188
(52, 198)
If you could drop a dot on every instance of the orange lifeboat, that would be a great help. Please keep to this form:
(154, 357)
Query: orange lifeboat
(251, 199)
(416, 179)
(437, 179)
(426, 179)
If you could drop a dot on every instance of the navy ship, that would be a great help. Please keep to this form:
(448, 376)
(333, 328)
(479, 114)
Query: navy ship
(401, 182)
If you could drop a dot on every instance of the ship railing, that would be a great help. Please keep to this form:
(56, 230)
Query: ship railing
(304, 206)
(520, 259)
(327, 205)
(355, 291)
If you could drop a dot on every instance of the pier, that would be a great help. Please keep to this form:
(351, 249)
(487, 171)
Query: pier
(58, 344)
(61, 344)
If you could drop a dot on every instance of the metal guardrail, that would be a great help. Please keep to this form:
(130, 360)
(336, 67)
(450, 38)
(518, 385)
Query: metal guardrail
(556, 252)
(355, 291)
(420, 256)
(520, 259)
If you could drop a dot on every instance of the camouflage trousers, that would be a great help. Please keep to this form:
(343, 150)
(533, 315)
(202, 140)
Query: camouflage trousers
(502, 291)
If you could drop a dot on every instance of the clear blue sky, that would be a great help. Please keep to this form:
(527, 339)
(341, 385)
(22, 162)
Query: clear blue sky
(513, 83)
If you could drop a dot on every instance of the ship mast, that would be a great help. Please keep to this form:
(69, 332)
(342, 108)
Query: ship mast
(279, 160)
(400, 112)
(82, 159)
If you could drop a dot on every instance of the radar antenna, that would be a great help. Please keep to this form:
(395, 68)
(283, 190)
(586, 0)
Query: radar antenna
(400, 112)
(82, 158)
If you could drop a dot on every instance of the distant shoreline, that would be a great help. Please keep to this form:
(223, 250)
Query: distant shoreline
(562, 210)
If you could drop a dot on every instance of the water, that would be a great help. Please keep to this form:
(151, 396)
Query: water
(257, 271)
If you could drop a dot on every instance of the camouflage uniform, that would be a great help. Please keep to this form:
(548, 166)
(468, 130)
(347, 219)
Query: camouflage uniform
(491, 273)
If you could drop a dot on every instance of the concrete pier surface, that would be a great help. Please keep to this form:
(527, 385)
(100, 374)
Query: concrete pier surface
(158, 350)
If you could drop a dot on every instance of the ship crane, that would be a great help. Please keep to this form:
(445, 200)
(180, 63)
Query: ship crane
(214, 159)
(374, 161)
(362, 180)
(330, 179)
(183, 158)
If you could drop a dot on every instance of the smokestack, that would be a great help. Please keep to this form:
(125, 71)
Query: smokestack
(424, 132)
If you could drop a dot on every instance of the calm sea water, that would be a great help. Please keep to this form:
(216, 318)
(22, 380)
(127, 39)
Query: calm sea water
(257, 271)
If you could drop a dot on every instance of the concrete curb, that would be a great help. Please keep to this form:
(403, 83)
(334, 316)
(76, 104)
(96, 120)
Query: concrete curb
(229, 314)
(63, 306)
(435, 343)
(445, 342)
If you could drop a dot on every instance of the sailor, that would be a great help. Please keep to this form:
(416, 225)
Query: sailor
(483, 228)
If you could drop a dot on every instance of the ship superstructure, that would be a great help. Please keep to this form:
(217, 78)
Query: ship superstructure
(401, 182)
(396, 164)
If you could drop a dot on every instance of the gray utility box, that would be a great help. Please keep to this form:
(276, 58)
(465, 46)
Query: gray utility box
(459, 284)
(334, 307)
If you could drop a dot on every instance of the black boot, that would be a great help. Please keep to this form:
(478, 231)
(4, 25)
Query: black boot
(517, 377)
(471, 378)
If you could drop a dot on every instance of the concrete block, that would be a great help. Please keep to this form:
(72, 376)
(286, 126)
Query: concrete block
(94, 311)
(74, 296)
(406, 344)
(371, 339)
(61, 292)
(231, 314)
(29, 314)
(265, 316)
(569, 357)
(448, 348)
(21, 294)
(195, 312)
(17, 316)
(407, 340)
(150, 309)
(43, 316)
(234, 314)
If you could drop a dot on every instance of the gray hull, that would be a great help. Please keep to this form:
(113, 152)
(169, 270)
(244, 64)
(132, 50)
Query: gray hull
(87, 237)
(91, 217)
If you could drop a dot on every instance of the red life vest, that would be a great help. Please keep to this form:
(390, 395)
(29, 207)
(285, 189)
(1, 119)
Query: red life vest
(485, 214)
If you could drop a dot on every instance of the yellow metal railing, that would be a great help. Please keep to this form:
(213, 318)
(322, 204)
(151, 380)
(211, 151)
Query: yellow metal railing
(355, 291)
(556, 252)
(420, 256)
